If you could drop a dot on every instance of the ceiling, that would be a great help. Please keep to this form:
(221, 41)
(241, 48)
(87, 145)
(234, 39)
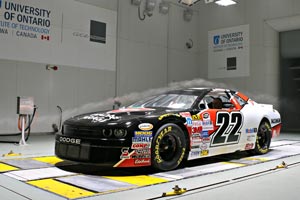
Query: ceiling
(113, 4)
(108, 4)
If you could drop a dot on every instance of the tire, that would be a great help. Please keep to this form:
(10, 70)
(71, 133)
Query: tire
(168, 147)
(263, 139)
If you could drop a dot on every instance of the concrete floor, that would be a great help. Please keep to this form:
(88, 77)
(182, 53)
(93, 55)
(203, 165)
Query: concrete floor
(228, 184)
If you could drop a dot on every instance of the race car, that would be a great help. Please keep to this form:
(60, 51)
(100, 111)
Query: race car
(164, 130)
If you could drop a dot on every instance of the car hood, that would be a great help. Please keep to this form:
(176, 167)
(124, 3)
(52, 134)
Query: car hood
(112, 117)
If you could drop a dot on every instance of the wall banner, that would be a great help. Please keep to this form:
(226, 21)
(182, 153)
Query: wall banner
(23, 20)
(228, 52)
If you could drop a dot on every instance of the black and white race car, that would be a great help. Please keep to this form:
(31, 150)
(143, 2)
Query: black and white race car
(163, 130)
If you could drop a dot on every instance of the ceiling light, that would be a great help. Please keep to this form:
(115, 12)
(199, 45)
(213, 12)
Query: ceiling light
(188, 2)
(225, 2)
(150, 5)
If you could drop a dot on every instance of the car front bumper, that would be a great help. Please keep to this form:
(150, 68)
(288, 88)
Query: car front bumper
(89, 150)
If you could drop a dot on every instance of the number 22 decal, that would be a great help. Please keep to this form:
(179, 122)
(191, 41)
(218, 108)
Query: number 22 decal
(229, 128)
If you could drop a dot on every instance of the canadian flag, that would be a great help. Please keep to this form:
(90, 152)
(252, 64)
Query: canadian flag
(45, 37)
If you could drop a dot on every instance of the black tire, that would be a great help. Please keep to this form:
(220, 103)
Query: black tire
(168, 147)
(263, 139)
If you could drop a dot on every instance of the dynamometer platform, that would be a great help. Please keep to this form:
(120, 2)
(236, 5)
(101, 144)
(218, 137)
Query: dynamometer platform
(28, 176)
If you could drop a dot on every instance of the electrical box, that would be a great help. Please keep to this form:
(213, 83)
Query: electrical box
(25, 105)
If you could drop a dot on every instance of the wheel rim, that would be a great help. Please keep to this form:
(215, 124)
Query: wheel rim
(262, 137)
(167, 147)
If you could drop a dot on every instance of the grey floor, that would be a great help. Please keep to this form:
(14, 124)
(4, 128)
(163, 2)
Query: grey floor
(273, 184)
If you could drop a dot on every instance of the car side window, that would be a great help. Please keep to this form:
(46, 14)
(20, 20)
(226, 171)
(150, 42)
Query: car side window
(241, 101)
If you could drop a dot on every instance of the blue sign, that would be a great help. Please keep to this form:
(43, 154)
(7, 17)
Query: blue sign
(189, 121)
(205, 134)
(0, 3)
(216, 39)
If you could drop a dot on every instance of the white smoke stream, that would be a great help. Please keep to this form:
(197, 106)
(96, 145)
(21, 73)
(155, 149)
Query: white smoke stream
(48, 120)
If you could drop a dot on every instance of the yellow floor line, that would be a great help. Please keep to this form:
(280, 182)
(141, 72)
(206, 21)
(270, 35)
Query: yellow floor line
(62, 189)
(49, 159)
(259, 159)
(6, 168)
(234, 163)
(141, 180)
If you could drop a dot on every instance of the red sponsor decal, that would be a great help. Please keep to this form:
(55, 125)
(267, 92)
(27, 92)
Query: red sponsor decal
(140, 145)
(249, 146)
(185, 114)
(144, 161)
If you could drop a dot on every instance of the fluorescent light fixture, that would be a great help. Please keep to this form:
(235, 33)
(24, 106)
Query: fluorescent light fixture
(225, 2)
(188, 2)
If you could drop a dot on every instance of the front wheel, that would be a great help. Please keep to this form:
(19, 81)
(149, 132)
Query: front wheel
(169, 147)
(263, 138)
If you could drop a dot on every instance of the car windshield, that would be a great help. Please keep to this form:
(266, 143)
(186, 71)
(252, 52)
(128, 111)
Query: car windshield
(175, 101)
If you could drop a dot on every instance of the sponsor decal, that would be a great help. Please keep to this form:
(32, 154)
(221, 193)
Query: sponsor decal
(140, 156)
(142, 161)
(125, 153)
(204, 153)
(168, 115)
(101, 117)
(196, 142)
(206, 116)
(251, 138)
(204, 134)
(194, 154)
(143, 133)
(197, 123)
(143, 151)
(69, 140)
(189, 121)
(249, 146)
(195, 148)
(141, 140)
(196, 117)
(274, 121)
(196, 129)
(140, 145)
(251, 130)
(146, 126)
(207, 125)
(185, 114)
(206, 140)
(203, 146)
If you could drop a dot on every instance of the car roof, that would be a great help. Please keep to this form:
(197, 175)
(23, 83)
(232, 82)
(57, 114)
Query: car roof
(191, 91)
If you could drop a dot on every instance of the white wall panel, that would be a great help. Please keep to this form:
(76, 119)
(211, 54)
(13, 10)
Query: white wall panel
(141, 66)
(183, 66)
(8, 97)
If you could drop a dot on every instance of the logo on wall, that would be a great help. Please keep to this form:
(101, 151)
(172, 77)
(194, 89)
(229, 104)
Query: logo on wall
(97, 31)
(216, 39)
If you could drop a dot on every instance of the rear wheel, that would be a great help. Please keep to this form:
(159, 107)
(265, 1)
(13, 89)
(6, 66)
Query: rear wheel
(263, 138)
(169, 147)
